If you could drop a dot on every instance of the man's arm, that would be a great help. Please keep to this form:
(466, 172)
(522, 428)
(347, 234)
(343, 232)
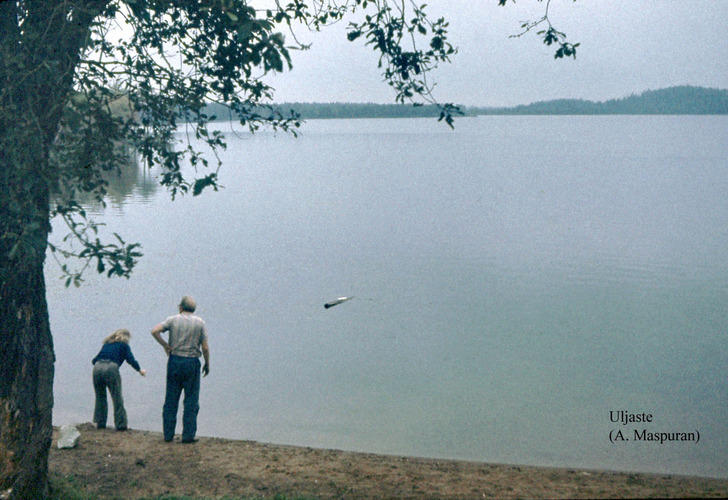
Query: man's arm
(206, 355)
(157, 334)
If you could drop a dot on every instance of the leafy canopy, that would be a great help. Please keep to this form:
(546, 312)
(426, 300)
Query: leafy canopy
(146, 66)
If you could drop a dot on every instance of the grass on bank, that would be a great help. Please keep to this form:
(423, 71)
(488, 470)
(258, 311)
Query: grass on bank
(69, 488)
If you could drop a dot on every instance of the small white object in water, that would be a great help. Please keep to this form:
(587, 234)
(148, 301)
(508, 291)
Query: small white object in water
(337, 302)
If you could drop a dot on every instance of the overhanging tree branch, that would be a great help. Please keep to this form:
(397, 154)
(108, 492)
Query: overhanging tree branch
(550, 35)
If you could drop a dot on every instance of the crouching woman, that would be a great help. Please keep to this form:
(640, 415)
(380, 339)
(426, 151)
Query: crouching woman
(106, 375)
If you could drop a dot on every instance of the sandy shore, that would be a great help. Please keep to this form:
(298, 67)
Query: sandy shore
(139, 464)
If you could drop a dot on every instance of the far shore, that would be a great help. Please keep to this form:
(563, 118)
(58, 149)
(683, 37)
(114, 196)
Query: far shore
(139, 464)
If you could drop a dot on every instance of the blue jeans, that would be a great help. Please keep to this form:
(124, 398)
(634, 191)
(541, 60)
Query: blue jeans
(183, 374)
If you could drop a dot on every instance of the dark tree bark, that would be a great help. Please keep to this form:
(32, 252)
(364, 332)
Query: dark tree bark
(40, 47)
(26, 380)
(26, 369)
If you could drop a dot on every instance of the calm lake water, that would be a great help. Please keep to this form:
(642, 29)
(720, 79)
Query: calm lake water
(516, 279)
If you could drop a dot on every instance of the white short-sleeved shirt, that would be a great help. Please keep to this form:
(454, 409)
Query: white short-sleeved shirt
(186, 333)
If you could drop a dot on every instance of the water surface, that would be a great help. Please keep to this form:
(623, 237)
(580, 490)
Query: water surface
(515, 280)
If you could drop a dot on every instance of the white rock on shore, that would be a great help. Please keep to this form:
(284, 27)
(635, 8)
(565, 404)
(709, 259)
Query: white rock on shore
(69, 436)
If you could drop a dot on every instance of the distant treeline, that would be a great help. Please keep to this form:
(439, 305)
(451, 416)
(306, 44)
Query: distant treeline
(312, 111)
(683, 100)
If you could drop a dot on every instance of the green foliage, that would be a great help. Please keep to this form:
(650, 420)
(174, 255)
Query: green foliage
(405, 66)
(66, 488)
(115, 259)
(550, 35)
(83, 99)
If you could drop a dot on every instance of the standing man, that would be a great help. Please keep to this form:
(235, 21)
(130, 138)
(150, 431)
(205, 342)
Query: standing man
(187, 342)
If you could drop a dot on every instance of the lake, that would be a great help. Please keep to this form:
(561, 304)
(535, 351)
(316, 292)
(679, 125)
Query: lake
(518, 282)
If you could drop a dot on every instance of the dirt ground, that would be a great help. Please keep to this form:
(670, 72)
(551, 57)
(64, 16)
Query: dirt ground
(139, 464)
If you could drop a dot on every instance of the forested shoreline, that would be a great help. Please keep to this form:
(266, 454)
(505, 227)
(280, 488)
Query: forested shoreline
(681, 100)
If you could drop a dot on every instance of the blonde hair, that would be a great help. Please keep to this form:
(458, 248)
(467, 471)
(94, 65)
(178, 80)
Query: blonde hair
(120, 335)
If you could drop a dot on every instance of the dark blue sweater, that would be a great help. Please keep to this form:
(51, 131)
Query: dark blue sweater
(118, 352)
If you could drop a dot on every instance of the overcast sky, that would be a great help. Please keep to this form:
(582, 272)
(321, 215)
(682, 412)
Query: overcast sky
(627, 46)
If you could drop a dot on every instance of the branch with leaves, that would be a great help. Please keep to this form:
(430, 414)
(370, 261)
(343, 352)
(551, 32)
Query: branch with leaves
(114, 259)
(138, 70)
(550, 35)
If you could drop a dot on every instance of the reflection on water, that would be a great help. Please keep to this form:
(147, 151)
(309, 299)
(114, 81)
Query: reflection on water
(129, 182)
(515, 280)
(133, 183)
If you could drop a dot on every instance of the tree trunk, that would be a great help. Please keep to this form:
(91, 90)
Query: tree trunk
(40, 47)
(26, 346)
(26, 383)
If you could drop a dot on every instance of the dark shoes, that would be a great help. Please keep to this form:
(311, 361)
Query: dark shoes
(184, 440)
(103, 426)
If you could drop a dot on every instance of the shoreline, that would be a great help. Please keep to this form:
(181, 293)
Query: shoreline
(139, 464)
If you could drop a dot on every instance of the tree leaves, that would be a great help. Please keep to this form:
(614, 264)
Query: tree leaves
(397, 33)
(207, 181)
(128, 95)
(114, 259)
(566, 50)
(550, 35)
